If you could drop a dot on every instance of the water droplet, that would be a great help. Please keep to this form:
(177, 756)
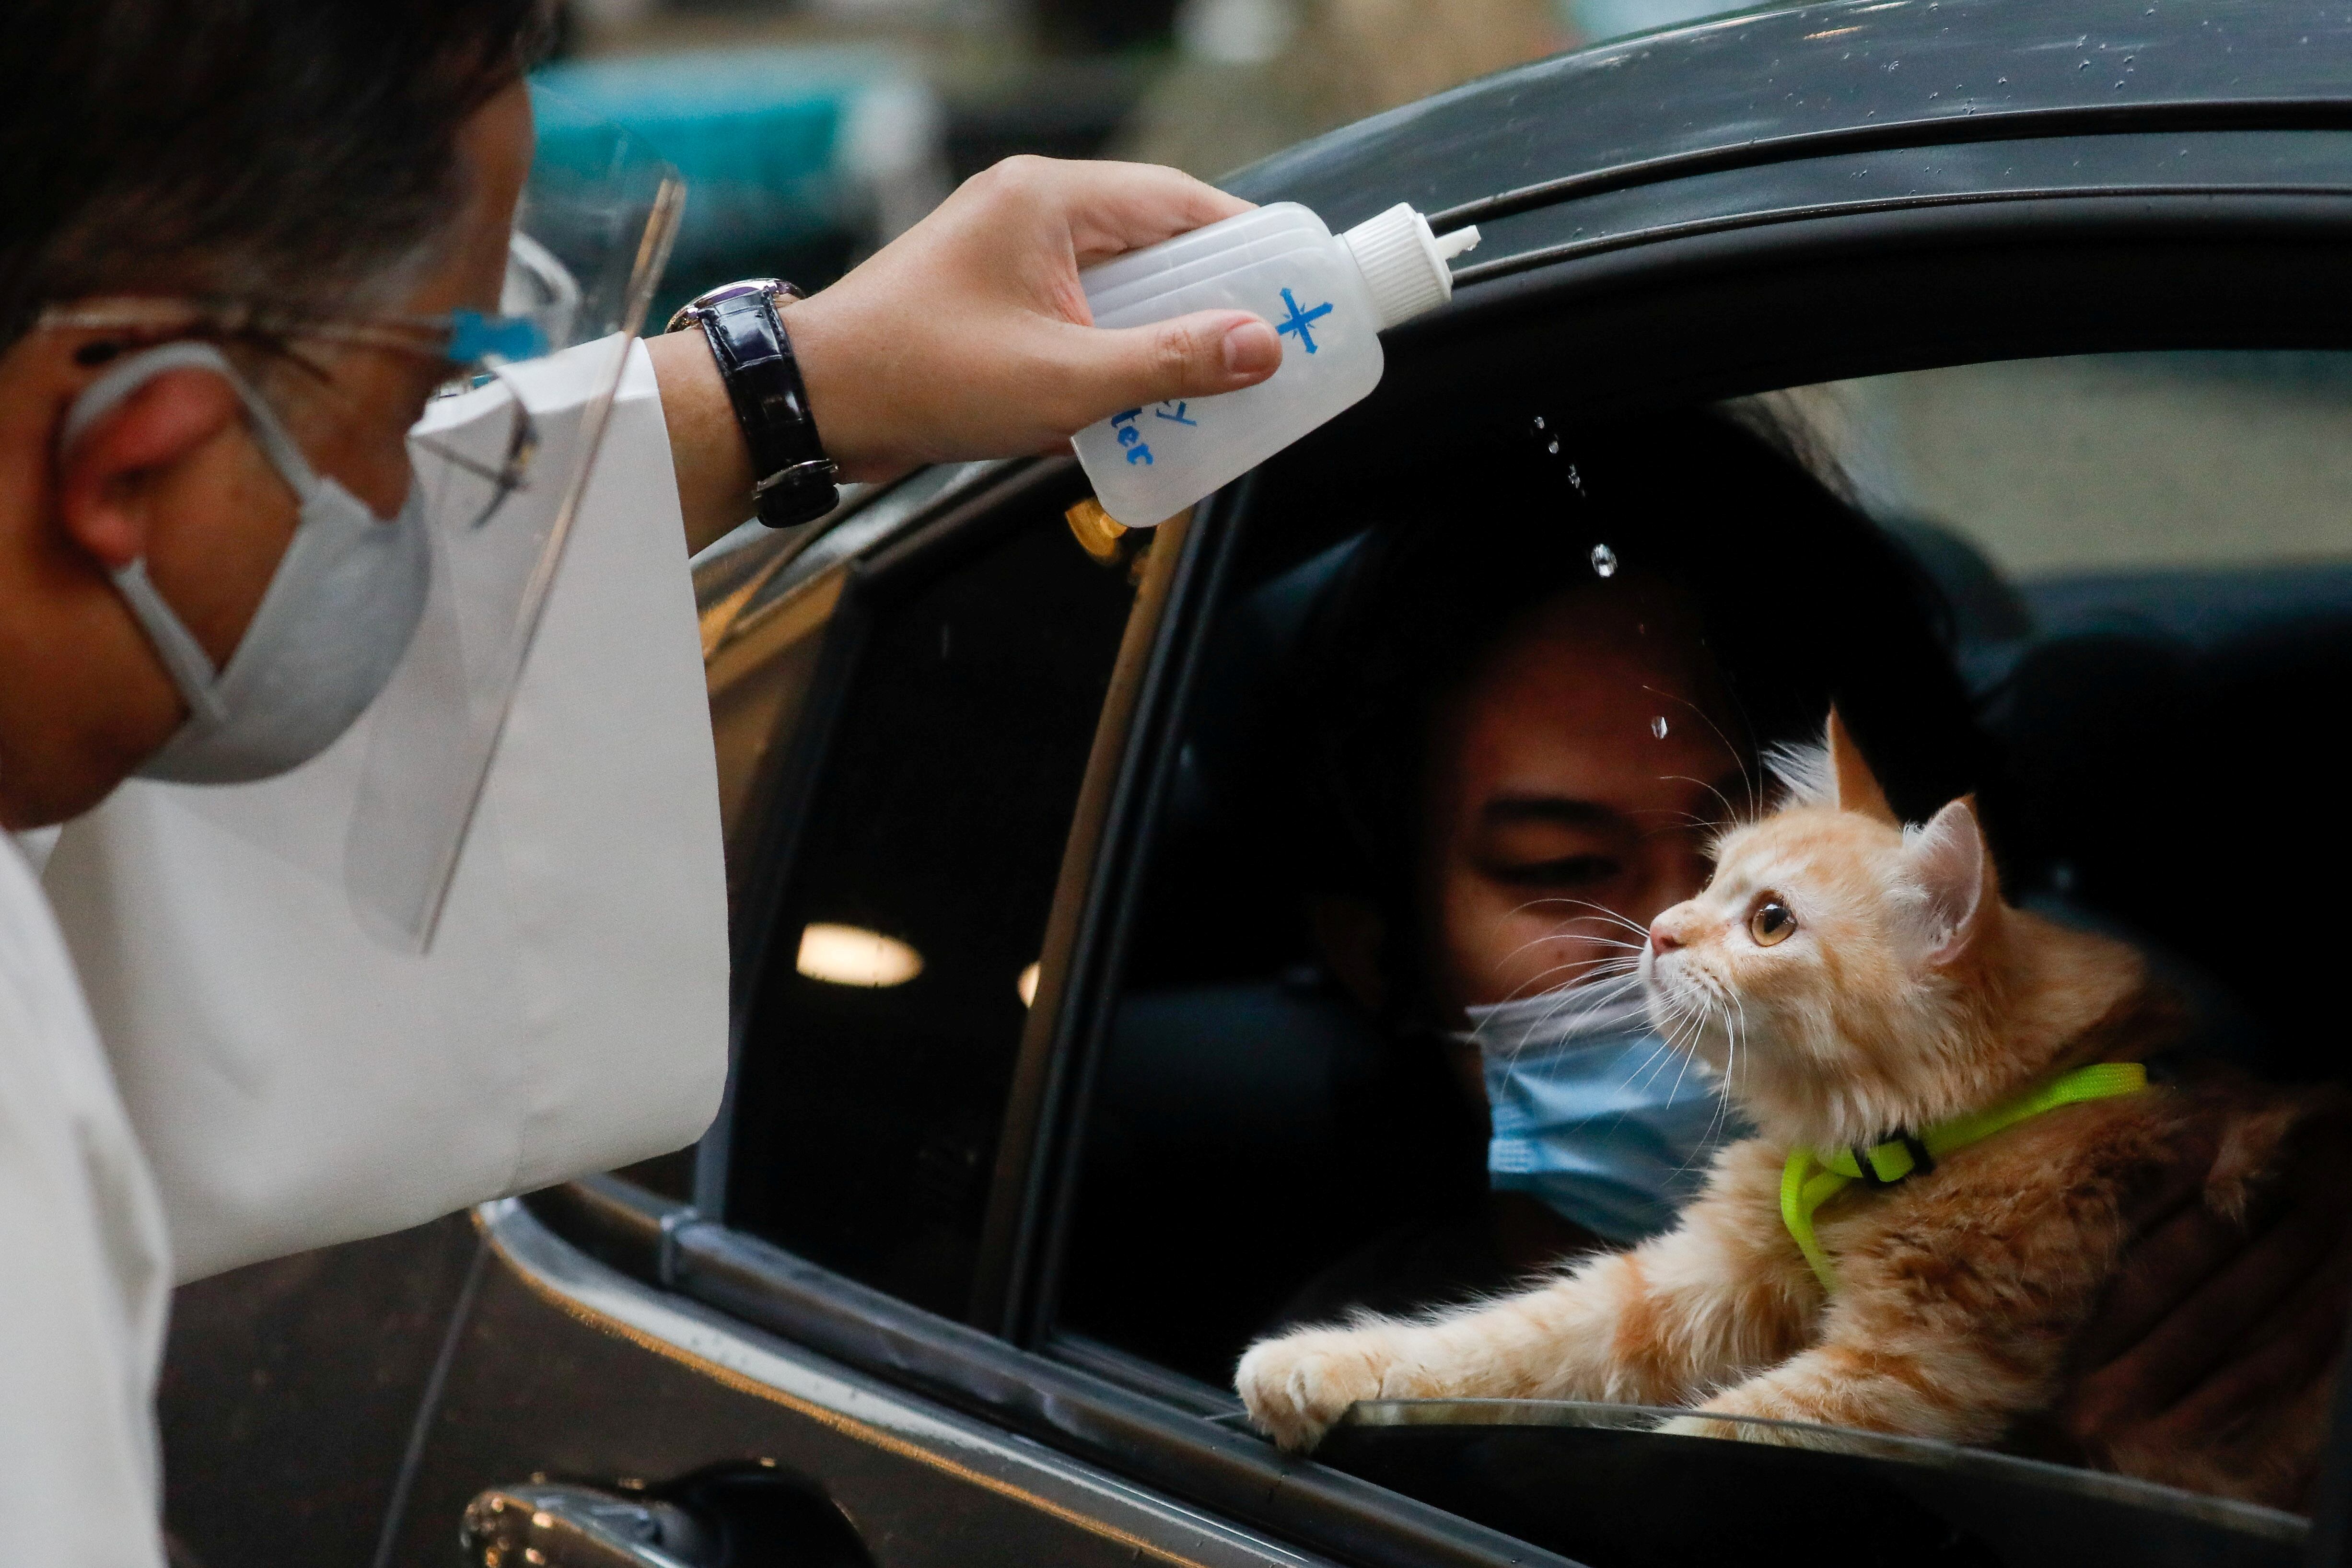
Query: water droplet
(1553, 448)
(1604, 561)
(1658, 727)
(1540, 423)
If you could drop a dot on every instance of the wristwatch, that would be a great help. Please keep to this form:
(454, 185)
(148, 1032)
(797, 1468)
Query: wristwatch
(798, 482)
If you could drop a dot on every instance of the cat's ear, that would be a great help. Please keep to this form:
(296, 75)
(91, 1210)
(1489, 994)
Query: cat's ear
(1953, 866)
(1857, 786)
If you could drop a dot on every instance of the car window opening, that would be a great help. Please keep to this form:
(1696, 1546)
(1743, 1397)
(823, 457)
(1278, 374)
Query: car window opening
(1442, 763)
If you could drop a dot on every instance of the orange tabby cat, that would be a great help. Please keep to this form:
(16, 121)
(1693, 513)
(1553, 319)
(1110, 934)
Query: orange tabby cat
(1848, 980)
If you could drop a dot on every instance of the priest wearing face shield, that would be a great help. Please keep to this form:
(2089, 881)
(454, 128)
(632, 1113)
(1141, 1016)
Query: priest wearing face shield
(247, 244)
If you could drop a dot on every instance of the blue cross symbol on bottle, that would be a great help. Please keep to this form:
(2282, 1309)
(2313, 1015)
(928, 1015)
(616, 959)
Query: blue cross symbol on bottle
(1299, 320)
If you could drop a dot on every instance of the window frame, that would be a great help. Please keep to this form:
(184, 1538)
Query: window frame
(864, 583)
(1681, 287)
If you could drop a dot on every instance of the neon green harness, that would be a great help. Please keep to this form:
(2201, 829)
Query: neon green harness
(1810, 1181)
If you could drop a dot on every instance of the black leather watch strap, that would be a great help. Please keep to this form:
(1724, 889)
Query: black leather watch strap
(797, 482)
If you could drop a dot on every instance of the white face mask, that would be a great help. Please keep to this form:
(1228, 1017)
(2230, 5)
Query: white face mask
(1594, 1112)
(336, 618)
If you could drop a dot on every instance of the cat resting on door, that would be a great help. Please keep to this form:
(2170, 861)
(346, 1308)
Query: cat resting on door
(1850, 982)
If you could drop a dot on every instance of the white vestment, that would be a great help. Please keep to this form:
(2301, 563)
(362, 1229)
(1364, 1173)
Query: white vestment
(290, 1082)
(84, 1272)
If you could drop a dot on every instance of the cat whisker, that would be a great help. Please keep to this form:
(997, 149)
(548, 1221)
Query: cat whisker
(1690, 819)
(1600, 992)
(1719, 1122)
(1564, 936)
(1610, 920)
(1603, 913)
(1738, 758)
(1699, 1016)
(1668, 1049)
(1603, 991)
(1601, 969)
(1686, 1015)
(1607, 966)
(1689, 1056)
(1536, 984)
(1731, 818)
(1599, 910)
(1624, 948)
(1634, 1075)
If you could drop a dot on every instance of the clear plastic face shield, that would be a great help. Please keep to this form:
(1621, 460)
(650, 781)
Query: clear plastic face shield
(504, 464)
(499, 466)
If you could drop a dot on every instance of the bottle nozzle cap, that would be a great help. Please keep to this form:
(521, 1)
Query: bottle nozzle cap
(1450, 245)
(1404, 264)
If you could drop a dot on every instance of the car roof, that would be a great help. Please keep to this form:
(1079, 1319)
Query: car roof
(1848, 75)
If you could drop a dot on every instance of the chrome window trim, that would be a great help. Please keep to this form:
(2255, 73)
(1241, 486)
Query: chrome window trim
(725, 1350)
(738, 581)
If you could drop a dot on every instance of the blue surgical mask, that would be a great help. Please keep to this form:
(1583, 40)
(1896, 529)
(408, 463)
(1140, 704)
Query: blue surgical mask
(1594, 1112)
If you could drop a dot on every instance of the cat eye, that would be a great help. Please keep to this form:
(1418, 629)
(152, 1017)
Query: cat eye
(1771, 922)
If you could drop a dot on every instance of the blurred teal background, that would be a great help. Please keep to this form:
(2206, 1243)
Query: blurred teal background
(811, 132)
(795, 158)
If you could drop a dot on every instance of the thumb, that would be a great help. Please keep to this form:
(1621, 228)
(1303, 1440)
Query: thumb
(1198, 355)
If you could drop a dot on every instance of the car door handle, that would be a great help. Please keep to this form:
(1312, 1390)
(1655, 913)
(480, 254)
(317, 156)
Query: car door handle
(554, 1525)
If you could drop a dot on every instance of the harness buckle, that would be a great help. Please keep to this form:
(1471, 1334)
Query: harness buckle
(1922, 1162)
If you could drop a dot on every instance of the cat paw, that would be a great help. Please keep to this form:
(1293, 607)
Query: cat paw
(1297, 1386)
(1717, 1422)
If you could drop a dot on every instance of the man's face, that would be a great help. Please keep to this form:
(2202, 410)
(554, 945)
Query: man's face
(1560, 818)
(83, 697)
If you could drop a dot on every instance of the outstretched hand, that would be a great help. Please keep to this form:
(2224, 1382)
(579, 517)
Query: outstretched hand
(2215, 1334)
(968, 336)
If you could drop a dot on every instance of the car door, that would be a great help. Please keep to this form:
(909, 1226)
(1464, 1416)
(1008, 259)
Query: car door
(921, 713)
(2073, 358)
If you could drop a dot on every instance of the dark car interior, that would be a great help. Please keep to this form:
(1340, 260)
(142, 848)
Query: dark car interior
(2165, 734)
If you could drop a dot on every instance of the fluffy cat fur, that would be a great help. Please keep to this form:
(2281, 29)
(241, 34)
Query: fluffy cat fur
(1907, 994)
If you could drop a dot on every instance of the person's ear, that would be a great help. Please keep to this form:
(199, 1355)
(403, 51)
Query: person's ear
(106, 481)
(1351, 936)
(1954, 866)
(1857, 786)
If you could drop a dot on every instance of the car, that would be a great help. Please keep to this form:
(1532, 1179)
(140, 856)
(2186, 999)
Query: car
(1037, 1110)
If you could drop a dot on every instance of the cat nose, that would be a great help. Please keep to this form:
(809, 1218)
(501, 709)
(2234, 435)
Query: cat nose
(1662, 939)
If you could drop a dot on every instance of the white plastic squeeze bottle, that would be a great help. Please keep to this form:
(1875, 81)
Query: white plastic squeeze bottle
(1328, 299)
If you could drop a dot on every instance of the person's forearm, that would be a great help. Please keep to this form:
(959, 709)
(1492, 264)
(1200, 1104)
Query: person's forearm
(968, 337)
(706, 445)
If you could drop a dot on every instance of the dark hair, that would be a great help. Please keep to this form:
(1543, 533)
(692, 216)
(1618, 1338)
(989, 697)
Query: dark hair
(1802, 603)
(291, 149)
